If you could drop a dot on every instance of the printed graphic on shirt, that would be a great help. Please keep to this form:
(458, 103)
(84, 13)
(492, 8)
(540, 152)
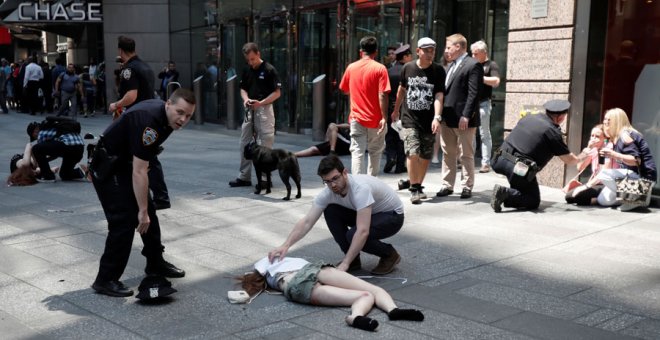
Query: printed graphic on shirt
(126, 73)
(419, 95)
(149, 136)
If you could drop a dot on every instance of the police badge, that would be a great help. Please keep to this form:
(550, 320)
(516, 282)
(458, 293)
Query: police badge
(149, 136)
(126, 73)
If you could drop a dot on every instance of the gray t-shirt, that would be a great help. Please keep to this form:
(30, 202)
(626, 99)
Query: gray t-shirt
(363, 191)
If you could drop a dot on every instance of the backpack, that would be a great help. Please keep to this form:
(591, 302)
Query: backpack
(62, 125)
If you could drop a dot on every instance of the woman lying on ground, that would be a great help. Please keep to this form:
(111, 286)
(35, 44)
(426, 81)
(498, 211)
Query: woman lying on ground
(586, 194)
(630, 152)
(323, 285)
(23, 168)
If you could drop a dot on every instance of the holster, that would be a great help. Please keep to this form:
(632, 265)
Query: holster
(102, 165)
(514, 158)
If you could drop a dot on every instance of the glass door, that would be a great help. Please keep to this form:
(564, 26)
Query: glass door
(317, 55)
(273, 45)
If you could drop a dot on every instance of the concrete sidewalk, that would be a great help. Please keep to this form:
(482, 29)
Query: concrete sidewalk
(561, 272)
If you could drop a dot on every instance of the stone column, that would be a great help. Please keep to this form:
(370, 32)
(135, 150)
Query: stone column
(539, 56)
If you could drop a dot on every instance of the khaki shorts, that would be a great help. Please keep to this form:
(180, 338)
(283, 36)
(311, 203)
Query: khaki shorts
(299, 288)
(419, 143)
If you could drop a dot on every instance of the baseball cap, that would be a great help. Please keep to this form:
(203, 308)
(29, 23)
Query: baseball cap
(425, 42)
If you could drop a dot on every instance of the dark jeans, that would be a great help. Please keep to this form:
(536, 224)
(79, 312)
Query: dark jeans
(71, 154)
(33, 100)
(394, 149)
(523, 194)
(342, 224)
(121, 210)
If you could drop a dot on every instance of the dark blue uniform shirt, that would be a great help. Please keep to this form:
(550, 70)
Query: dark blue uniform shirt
(138, 132)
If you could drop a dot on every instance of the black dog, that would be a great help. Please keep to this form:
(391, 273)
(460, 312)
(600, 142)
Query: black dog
(266, 160)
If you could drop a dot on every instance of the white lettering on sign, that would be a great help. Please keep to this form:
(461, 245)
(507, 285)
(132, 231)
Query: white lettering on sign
(75, 11)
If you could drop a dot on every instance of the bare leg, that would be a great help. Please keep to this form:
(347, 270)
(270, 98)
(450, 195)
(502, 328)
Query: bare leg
(360, 301)
(417, 168)
(331, 135)
(311, 151)
(337, 278)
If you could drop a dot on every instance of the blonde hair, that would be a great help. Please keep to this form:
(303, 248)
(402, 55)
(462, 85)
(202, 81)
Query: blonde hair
(618, 123)
(458, 39)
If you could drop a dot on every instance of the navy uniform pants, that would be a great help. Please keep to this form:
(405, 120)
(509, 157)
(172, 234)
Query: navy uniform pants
(121, 210)
(523, 194)
(342, 224)
(157, 181)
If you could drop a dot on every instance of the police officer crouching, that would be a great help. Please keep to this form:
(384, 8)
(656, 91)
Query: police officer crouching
(119, 168)
(529, 147)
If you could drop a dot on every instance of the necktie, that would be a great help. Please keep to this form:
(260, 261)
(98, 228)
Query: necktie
(450, 72)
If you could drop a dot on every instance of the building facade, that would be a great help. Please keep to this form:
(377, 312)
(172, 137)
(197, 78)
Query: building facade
(597, 54)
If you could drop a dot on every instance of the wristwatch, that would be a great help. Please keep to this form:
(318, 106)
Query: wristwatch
(438, 118)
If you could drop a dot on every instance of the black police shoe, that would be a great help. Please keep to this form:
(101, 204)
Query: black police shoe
(240, 183)
(163, 268)
(445, 191)
(161, 204)
(111, 288)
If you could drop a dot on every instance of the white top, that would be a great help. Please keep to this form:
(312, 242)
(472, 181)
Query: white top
(363, 191)
(289, 264)
(32, 72)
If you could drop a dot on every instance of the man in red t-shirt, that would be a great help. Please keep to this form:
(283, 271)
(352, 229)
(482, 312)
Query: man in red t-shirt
(368, 85)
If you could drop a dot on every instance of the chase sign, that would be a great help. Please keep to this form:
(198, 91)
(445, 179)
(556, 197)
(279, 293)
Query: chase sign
(56, 11)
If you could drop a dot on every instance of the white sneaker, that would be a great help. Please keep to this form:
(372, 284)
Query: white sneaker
(629, 206)
(435, 160)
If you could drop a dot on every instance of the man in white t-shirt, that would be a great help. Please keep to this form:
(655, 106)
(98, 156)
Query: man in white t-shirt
(360, 211)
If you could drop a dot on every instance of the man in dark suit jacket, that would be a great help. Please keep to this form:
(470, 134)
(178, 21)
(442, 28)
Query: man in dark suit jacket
(460, 115)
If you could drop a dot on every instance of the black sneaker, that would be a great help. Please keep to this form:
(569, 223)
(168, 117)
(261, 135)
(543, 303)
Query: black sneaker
(404, 184)
(498, 196)
(466, 193)
(164, 268)
(240, 183)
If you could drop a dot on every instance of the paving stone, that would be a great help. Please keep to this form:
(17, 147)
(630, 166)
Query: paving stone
(546, 327)
(448, 302)
(516, 278)
(597, 317)
(620, 322)
(533, 302)
(645, 329)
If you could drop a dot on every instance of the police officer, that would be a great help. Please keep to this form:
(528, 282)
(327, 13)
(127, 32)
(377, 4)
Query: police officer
(529, 147)
(260, 87)
(136, 83)
(130, 142)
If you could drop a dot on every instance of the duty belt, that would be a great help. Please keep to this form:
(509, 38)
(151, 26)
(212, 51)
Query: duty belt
(510, 157)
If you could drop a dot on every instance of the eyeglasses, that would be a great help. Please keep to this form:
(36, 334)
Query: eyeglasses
(329, 182)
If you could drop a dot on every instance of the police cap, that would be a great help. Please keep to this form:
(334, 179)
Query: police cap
(153, 287)
(557, 106)
(402, 49)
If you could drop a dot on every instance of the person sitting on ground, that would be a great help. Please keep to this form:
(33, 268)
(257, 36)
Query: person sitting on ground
(586, 194)
(631, 153)
(323, 285)
(337, 141)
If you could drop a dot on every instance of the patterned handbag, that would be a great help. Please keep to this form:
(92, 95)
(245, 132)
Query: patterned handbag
(634, 190)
